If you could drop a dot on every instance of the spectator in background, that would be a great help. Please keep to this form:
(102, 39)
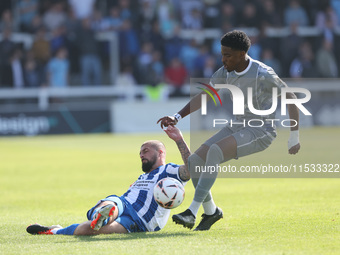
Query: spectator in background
(191, 11)
(165, 10)
(98, 22)
(128, 42)
(155, 36)
(326, 21)
(58, 39)
(228, 16)
(269, 59)
(126, 78)
(336, 7)
(157, 67)
(126, 81)
(303, 66)
(125, 10)
(58, 69)
(209, 68)
(193, 21)
(176, 75)
(146, 16)
(325, 60)
(144, 61)
(173, 45)
(271, 17)
(6, 46)
(13, 71)
(27, 10)
(6, 21)
(32, 74)
(156, 89)
(82, 9)
(41, 52)
(250, 16)
(37, 23)
(211, 13)
(325, 15)
(188, 54)
(114, 21)
(199, 62)
(168, 27)
(295, 14)
(55, 16)
(255, 50)
(90, 63)
(289, 49)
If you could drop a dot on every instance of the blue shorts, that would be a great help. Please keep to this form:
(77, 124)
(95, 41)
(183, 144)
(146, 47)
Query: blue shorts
(127, 216)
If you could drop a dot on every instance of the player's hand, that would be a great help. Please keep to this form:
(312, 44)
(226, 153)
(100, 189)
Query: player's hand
(293, 142)
(174, 133)
(294, 149)
(167, 120)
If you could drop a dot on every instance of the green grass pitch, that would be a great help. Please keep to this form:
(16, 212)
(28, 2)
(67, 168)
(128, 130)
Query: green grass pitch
(56, 179)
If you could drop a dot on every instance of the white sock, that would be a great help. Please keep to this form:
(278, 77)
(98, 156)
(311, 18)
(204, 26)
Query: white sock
(54, 230)
(194, 207)
(209, 207)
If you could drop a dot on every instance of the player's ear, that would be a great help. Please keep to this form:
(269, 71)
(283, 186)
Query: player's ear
(162, 152)
(242, 53)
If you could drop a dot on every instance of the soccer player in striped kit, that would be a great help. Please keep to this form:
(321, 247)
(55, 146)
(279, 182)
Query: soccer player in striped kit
(136, 210)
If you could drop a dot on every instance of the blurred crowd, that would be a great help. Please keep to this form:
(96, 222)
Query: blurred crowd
(152, 49)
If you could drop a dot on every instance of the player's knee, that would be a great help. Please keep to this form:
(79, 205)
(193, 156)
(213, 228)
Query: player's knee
(84, 229)
(202, 151)
(215, 154)
(194, 161)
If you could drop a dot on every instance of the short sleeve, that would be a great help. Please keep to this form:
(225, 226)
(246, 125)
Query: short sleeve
(218, 77)
(172, 171)
(272, 80)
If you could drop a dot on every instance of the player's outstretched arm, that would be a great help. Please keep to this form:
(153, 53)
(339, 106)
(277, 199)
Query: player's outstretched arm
(193, 105)
(293, 142)
(175, 134)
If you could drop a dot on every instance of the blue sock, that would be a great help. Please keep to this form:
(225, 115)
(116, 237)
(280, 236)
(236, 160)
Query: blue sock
(68, 230)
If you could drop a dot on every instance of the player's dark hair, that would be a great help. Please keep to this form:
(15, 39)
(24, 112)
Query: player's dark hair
(236, 40)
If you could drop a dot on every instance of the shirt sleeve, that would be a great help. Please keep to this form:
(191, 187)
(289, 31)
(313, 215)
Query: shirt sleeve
(272, 80)
(172, 171)
(218, 77)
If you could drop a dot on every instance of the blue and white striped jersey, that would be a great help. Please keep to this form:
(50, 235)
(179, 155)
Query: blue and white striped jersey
(140, 196)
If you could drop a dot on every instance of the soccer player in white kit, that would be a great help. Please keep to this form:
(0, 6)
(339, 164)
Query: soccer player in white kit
(235, 141)
(136, 210)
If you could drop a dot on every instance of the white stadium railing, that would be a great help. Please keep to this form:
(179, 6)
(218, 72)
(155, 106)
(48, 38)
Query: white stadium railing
(44, 94)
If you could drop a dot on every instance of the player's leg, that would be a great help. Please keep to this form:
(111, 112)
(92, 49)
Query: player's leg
(214, 157)
(187, 218)
(222, 151)
(198, 159)
(110, 228)
(102, 218)
(219, 152)
(103, 213)
(241, 143)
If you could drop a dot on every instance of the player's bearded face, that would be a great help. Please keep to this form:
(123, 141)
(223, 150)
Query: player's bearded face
(147, 164)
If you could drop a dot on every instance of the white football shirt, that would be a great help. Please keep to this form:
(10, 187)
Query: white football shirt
(140, 196)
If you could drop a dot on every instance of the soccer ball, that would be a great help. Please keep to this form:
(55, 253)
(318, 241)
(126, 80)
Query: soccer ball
(169, 193)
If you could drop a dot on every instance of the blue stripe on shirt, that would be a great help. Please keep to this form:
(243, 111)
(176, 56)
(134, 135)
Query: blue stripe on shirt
(140, 201)
(126, 193)
(151, 212)
(152, 174)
